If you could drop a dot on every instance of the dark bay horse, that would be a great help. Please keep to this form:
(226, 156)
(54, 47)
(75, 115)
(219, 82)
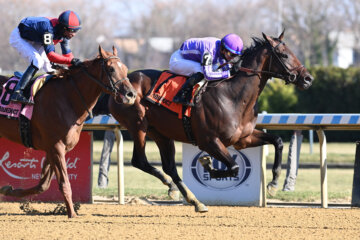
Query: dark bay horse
(60, 110)
(226, 115)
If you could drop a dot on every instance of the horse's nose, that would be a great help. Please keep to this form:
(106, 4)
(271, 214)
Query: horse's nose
(130, 95)
(309, 79)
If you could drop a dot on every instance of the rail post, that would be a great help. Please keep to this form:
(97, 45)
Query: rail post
(263, 178)
(323, 167)
(120, 165)
(355, 199)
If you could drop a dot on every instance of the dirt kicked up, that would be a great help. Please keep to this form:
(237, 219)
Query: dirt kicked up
(109, 221)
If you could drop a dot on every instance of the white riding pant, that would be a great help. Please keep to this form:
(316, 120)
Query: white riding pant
(179, 65)
(31, 51)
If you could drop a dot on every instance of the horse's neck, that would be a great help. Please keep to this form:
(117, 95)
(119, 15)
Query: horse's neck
(258, 62)
(85, 92)
(246, 87)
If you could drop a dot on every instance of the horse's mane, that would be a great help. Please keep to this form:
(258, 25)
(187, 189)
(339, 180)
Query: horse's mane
(257, 44)
(65, 72)
(249, 51)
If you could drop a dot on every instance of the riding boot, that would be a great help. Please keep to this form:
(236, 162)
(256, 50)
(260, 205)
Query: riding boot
(18, 96)
(184, 95)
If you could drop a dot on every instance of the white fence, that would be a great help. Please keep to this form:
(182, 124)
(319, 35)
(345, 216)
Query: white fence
(317, 122)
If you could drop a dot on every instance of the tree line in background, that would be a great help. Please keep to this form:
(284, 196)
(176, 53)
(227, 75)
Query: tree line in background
(334, 90)
(312, 27)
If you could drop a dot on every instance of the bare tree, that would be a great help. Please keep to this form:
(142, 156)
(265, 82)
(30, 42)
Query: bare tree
(310, 24)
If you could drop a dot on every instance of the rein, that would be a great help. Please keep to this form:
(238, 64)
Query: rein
(289, 77)
(113, 84)
(82, 98)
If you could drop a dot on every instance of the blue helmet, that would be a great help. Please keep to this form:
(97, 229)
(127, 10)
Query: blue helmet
(232, 43)
(70, 20)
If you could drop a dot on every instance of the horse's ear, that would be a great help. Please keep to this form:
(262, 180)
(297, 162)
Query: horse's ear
(269, 39)
(101, 52)
(114, 51)
(282, 35)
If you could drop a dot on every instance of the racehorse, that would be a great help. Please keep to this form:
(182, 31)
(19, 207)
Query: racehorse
(226, 115)
(60, 110)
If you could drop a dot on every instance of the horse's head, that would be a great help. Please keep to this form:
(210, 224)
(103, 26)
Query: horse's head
(114, 77)
(286, 64)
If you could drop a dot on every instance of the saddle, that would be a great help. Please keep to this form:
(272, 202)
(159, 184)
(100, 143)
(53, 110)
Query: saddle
(167, 86)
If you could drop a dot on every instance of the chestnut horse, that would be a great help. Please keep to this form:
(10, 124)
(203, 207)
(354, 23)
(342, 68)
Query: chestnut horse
(226, 115)
(60, 110)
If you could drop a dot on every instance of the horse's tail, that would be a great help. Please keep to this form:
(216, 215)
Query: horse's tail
(102, 106)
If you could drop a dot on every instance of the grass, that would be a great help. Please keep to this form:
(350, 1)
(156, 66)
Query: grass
(138, 183)
(336, 153)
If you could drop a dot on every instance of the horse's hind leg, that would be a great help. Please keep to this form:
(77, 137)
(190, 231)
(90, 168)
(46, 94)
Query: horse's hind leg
(259, 138)
(140, 161)
(46, 175)
(167, 151)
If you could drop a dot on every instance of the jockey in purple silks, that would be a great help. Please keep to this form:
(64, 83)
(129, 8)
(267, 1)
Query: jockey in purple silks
(201, 58)
(35, 38)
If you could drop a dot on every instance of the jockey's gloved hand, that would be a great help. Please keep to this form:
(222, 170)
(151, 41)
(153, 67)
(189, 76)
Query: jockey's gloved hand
(76, 62)
(232, 71)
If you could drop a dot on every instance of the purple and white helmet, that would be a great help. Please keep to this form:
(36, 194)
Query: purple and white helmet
(233, 43)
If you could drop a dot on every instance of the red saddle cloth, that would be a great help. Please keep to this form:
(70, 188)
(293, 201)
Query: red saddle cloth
(164, 91)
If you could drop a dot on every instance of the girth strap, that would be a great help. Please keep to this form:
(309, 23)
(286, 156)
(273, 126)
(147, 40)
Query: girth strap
(25, 131)
(187, 126)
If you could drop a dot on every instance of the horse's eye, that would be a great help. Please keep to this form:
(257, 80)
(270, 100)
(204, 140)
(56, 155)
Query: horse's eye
(111, 69)
(283, 55)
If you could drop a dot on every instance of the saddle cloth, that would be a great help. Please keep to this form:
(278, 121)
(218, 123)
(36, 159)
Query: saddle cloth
(13, 110)
(164, 90)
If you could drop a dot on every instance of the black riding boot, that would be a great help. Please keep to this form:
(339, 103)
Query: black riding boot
(18, 96)
(184, 95)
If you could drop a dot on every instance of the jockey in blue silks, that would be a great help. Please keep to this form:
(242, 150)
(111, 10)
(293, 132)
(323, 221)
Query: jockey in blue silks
(35, 39)
(201, 58)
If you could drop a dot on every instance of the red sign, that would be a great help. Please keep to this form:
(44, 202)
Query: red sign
(21, 167)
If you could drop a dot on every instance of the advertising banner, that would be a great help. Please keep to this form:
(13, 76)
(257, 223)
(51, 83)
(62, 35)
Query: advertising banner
(21, 167)
(244, 189)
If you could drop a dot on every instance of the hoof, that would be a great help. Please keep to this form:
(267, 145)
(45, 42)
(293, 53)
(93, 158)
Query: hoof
(206, 162)
(271, 190)
(174, 194)
(5, 189)
(74, 215)
(201, 208)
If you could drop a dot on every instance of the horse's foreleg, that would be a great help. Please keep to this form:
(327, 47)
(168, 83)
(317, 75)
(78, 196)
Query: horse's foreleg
(259, 138)
(58, 158)
(46, 175)
(217, 149)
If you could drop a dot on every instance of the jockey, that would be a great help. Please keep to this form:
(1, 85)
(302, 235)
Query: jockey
(202, 57)
(35, 39)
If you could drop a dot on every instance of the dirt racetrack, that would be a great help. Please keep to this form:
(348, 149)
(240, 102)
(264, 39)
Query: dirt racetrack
(108, 221)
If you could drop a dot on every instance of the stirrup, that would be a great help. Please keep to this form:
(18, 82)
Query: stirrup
(19, 97)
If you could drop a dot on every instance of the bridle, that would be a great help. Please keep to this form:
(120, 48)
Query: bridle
(113, 85)
(290, 76)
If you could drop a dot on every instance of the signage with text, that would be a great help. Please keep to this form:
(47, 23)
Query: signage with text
(21, 167)
(243, 189)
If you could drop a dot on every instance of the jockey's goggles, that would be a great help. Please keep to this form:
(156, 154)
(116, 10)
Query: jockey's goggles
(72, 30)
(230, 54)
